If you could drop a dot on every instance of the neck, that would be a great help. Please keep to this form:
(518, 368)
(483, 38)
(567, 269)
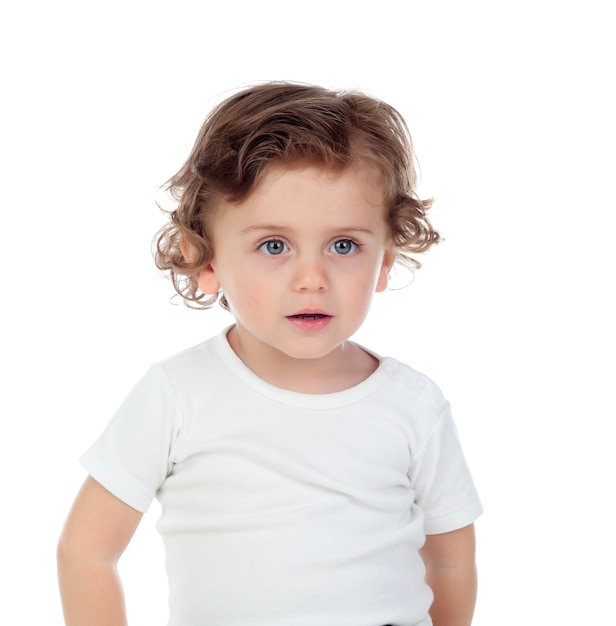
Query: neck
(346, 366)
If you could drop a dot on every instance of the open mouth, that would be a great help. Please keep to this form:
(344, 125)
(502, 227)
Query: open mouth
(310, 321)
(309, 316)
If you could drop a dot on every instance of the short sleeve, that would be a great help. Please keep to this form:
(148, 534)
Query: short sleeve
(132, 457)
(442, 481)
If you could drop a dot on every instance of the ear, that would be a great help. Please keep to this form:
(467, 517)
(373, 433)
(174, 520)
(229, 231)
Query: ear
(207, 280)
(206, 277)
(383, 279)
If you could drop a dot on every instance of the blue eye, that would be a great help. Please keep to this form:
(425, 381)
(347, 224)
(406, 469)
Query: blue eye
(343, 246)
(273, 247)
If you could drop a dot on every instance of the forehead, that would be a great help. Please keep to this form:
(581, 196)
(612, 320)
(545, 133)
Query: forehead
(359, 185)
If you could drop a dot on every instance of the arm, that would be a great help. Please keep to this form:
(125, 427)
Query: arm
(450, 571)
(98, 529)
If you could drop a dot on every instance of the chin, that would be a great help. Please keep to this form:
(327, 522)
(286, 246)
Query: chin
(312, 353)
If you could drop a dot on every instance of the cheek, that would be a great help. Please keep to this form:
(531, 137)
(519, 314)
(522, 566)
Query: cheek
(370, 278)
(247, 295)
(358, 296)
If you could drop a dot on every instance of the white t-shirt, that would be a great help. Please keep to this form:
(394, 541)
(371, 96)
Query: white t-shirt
(288, 509)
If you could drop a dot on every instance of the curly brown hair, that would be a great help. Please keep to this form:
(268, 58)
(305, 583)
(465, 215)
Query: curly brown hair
(281, 122)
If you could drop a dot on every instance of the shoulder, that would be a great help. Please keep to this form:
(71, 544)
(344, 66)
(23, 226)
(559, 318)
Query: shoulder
(191, 361)
(403, 380)
(165, 382)
(413, 384)
(195, 377)
(413, 401)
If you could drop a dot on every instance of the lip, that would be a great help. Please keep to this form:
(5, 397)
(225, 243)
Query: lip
(310, 319)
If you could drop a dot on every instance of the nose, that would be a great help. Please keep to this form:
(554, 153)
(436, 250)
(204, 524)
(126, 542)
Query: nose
(310, 274)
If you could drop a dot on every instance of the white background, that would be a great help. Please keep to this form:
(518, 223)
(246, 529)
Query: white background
(511, 106)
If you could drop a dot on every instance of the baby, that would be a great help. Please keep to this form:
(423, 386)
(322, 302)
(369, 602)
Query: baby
(304, 480)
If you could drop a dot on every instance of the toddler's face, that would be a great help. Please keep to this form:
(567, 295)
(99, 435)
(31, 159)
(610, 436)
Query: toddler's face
(300, 259)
